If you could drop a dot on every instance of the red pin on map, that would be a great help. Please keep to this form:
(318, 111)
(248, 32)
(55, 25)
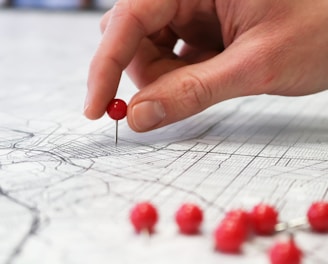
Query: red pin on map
(143, 217)
(285, 252)
(117, 110)
(189, 218)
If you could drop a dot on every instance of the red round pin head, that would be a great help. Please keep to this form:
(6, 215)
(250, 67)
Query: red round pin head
(230, 235)
(144, 217)
(239, 215)
(264, 219)
(117, 109)
(189, 218)
(318, 216)
(285, 252)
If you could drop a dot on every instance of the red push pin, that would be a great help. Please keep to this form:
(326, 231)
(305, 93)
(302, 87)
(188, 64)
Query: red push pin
(240, 215)
(285, 252)
(317, 216)
(230, 235)
(117, 110)
(189, 218)
(264, 219)
(144, 217)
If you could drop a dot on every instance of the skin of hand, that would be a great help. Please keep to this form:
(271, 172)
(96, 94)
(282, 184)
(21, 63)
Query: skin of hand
(231, 48)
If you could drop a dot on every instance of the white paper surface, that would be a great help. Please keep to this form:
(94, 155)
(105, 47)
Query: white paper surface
(66, 189)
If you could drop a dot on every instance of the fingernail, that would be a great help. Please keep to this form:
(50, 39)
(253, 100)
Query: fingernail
(147, 115)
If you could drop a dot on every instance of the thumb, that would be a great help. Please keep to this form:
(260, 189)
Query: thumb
(238, 71)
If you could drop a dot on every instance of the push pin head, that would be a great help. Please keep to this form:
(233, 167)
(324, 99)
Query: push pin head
(317, 216)
(117, 110)
(189, 218)
(286, 252)
(264, 219)
(143, 217)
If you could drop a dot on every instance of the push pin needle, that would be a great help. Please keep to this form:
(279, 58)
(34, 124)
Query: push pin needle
(117, 110)
(116, 131)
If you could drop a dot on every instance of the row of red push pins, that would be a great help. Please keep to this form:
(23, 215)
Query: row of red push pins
(237, 226)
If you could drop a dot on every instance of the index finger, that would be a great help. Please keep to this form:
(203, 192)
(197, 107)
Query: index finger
(130, 21)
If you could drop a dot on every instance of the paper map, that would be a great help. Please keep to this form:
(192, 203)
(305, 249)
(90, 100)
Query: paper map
(66, 190)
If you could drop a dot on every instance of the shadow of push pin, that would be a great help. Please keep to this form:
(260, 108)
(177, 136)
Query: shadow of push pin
(117, 110)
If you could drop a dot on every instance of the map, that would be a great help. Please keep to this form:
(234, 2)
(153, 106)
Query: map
(66, 189)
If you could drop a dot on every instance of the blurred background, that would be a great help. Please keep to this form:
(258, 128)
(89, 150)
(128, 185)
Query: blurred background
(58, 4)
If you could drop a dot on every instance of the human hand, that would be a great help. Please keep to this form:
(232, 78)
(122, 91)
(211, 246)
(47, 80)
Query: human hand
(233, 48)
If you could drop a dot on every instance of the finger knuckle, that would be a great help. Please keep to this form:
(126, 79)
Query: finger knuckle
(128, 11)
(193, 93)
